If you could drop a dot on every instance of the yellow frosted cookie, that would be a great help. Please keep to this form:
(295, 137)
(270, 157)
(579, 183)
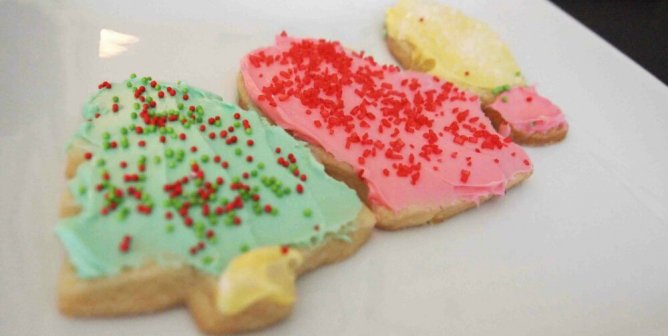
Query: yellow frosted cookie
(435, 38)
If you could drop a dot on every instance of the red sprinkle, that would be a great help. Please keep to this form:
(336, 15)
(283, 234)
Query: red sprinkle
(464, 175)
(124, 246)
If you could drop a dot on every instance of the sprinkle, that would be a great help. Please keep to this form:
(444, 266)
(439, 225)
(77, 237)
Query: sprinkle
(500, 89)
(124, 246)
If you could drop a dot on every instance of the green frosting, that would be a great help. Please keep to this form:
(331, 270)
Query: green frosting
(265, 198)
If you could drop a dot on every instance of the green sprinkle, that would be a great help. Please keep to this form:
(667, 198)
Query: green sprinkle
(249, 131)
(124, 142)
(136, 106)
(504, 99)
(133, 75)
(124, 130)
(229, 221)
(128, 84)
(180, 106)
(100, 162)
(82, 190)
(260, 166)
(274, 211)
(199, 229)
(253, 173)
(114, 99)
(133, 115)
(120, 216)
(237, 124)
(238, 151)
(169, 228)
(308, 212)
(157, 159)
(204, 158)
(244, 248)
(123, 213)
(207, 260)
(500, 89)
(169, 152)
(518, 73)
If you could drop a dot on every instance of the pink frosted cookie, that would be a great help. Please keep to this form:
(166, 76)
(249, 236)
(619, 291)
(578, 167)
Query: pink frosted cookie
(416, 148)
(527, 117)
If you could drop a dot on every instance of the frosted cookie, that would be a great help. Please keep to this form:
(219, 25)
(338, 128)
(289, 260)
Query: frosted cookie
(417, 149)
(178, 198)
(435, 38)
(527, 117)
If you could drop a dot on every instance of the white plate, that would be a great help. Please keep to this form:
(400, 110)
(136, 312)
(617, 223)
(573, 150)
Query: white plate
(581, 248)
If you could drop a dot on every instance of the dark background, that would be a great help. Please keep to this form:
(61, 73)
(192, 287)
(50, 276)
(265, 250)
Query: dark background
(636, 27)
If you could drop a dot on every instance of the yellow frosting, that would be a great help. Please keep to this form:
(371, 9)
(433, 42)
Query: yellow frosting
(453, 46)
(263, 273)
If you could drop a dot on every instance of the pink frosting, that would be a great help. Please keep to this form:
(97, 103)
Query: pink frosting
(527, 111)
(412, 138)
